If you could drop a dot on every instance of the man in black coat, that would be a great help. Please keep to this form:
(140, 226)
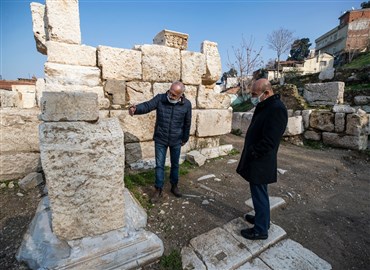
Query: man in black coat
(258, 162)
(172, 128)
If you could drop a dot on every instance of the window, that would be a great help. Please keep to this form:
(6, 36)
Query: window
(323, 63)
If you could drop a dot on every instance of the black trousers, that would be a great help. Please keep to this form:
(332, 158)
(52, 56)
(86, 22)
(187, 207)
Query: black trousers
(261, 204)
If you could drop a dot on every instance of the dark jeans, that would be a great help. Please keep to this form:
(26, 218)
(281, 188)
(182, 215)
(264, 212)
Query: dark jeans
(160, 160)
(261, 204)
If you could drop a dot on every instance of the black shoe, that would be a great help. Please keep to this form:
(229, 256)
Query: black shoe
(249, 218)
(175, 191)
(252, 235)
(157, 195)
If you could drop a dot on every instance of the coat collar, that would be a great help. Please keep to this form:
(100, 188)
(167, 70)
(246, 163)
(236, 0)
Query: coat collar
(268, 101)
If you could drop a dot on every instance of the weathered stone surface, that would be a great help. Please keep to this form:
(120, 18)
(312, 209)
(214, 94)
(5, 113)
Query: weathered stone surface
(214, 152)
(40, 88)
(136, 128)
(71, 75)
(137, 92)
(208, 99)
(291, 255)
(362, 100)
(63, 19)
(195, 157)
(322, 120)
(327, 74)
(207, 142)
(84, 167)
(193, 67)
(27, 95)
(139, 151)
(237, 120)
(294, 126)
(69, 106)
(357, 124)
(190, 260)
(329, 93)
(160, 63)
(213, 62)
(312, 135)
(306, 118)
(343, 109)
(119, 64)
(161, 88)
(275, 202)
(255, 264)
(19, 130)
(116, 88)
(290, 97)
(246, 121)
(191, 93)
(297, 113)
(340, 122)
(51, 87)
(18, 165)
(172, 39)
(345, 141)
(32, 180)
(220, 250)
(9, 99)
(38, 26)
(71, 54)
(213, 122)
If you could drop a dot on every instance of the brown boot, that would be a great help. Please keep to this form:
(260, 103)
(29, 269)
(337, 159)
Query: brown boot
(157, 195)
(175, 191)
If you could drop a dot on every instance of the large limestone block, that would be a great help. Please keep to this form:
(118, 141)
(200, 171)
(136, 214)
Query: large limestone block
(172, 39)
(38, 26)
(362, 100)
(161, 88)
(139, 151)
(18, 165)
(27, 95)
(357, 124)
(71, 54)
(9, 99)
(341, 108)
(116, 88)
(327, 74)
(193, 67)
(329, 93)
(246, 121)
(71, 75)
(63, 19)
(294, 126)
(340, 122)
(137, 92)
(191, 93)
(236, 123)
(69, 106)
(306, 118)
(19, 130)
(40, 88)
(208, 142)
(136, 128)
(322, 120)
(119, 64)
(84, 168)
(213, 62)
(208, 99)
(213, 122)
(345, 141)
(160, 63)
(312, 135)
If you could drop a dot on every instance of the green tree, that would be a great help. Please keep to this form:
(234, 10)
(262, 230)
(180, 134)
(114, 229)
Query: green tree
(232, 73)
(300, 49)
(365, 4)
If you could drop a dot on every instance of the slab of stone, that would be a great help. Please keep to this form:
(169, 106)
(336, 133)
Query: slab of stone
(206, 177)
(9, 99)
(306, 118)
(322, 120)
(329, 93)
(362, 100)
(289, 254)
(254, 246)
(137, 151)
(340, 122)
(208, 99)
(357, 124)
(213, 122)
(138, 92)
(213, 62)
(246, 121)
(343, 109)
(38, 26)
(237, 121)
(275, 202)
(203, 143)
(172, 39)
(32, 180)
(117, 88)
(256, 264)
(18, 165)
(345, 141)
(84, 168)
(312, 135)
(161, 88)
(193, 67)
(69, 106)
(190, 261)
(40, 88)
(195, 157)
(220, 250)
(294, 126)
(27, 95)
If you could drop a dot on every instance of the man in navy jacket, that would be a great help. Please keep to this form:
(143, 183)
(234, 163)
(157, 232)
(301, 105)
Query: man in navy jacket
(172, 130)
(258, 162)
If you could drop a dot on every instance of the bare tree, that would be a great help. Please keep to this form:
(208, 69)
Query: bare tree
(280, 41)
(247, 59)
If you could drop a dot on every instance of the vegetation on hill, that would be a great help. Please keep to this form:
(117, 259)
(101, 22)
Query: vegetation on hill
(363, 60)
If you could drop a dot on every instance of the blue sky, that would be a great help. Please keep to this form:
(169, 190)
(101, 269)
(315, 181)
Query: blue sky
(123, 24)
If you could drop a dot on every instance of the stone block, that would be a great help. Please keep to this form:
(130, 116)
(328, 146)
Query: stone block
(306, 118)
(160, 63)
(63, 19)
(190, 260)
(256, 264)
(84, 167)
(225, 149)
(71, 54)
(207, 142)
(193, 127)
(38, 26)
(345, 141)
(357, 124)
(27, 95)
(246, 121)
(237, 121)
(312, 135)
(275, 202)
(208, 99)
(329, 93)
(213, 62)
(116, 88)
(9, 99)
(340, 122)
(69, 106)
(362, 100)
(172, 39)
(322, 120)
(213, 122)
(138, 92)
(195, 157)
(343, 109)
(40, 88)
(161, 88)
(193, 67)
(120, 64)
(327, 74)
(32, 180)
(191, 93)
(139, 151)
(294, 126)
(18, 165)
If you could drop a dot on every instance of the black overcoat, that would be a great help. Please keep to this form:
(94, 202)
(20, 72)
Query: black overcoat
(173, 121)
(258, 162)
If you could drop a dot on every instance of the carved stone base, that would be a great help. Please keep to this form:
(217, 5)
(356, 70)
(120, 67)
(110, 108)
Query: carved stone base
(126, 248)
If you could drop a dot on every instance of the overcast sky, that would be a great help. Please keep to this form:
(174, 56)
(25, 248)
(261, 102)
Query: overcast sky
(123, 24)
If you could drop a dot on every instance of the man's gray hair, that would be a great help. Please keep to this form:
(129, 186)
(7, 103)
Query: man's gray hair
(182, 86)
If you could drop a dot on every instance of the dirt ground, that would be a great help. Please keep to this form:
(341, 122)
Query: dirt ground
(327, 194)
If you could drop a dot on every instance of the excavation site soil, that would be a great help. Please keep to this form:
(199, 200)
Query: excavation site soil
(326, 192)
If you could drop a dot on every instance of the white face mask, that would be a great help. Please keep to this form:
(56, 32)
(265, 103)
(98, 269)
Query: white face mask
(173, 101)
(256, 100)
